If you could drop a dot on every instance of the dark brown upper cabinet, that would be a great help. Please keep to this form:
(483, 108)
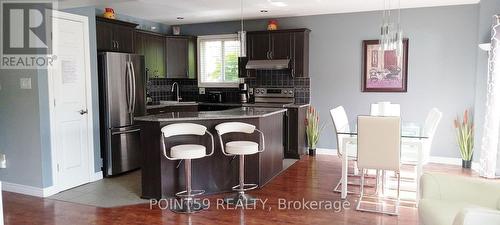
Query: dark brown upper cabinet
(115, 35)
(181, 57)
(290, 44)
(152, 46)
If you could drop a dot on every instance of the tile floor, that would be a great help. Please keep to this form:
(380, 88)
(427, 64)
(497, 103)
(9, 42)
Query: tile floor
(117, 191)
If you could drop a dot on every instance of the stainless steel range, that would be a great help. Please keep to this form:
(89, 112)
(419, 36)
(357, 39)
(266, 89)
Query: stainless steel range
(277, 98)
(273, 97)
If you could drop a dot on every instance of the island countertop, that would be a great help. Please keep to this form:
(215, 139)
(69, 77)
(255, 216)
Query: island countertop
(236, 113)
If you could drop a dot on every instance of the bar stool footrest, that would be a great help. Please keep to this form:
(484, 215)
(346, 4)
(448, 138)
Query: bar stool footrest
(246, 187)
(183, 194)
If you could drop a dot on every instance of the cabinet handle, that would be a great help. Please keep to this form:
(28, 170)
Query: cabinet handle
(267, 55)
(117, 45)
(271, 54)
(113, 43)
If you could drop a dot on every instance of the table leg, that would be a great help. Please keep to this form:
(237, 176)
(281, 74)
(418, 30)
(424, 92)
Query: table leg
(345, 167)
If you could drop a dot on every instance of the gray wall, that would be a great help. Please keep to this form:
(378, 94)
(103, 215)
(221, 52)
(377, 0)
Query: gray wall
(20, 136)
(442, 56)
(487, 8)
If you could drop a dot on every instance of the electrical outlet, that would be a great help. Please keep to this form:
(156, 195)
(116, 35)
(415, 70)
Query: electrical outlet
(202, 91)
(25, 83)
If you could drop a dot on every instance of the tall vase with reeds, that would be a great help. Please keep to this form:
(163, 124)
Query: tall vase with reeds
(313, 129)
(465, 137)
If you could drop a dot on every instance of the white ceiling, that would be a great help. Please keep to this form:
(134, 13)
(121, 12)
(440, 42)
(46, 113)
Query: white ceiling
(200, 11)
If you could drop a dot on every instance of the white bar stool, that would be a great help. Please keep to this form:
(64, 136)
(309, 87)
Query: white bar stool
(240, 148)
(186, 152)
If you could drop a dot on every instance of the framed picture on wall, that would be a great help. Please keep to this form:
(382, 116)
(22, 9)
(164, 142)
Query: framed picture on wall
(382, 72)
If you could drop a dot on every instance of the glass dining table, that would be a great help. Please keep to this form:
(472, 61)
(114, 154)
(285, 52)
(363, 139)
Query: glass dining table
(411, 133)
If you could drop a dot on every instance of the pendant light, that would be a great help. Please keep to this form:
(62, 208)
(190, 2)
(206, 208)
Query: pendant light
(242, 35)
(391, 34)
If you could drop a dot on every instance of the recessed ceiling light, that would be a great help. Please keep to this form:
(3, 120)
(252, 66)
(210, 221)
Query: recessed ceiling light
(263, 11)
(180, 18)
(278, 3)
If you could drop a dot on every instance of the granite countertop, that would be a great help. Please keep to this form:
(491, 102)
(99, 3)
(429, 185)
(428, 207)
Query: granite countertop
(236, 104)
(236, 113)
(172, 103)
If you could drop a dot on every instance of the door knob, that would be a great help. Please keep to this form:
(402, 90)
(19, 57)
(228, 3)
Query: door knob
(83, 112)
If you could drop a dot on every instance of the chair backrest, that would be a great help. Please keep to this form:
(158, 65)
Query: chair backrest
(385, 109)
(339, 118)
(340, 123)
(183, 129)
(379, 142)
(432, 122)
(237, 127)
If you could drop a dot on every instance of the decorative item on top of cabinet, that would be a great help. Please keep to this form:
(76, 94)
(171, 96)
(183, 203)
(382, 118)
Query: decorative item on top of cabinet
(181, 57)
(290, 44)
(152, 46)
(109, 13)
(115, 35)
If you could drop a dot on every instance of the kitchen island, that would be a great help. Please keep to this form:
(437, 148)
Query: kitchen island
(162, 178)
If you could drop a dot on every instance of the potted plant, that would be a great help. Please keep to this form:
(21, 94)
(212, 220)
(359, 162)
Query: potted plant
(465, 138)
(313, 129)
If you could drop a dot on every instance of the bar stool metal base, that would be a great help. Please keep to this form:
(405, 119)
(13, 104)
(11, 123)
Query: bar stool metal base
(188, 206)
(240, 199)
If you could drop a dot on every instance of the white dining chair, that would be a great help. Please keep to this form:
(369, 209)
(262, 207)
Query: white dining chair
(379, 145)
(416, 152)
(385, 109)
(346, 144)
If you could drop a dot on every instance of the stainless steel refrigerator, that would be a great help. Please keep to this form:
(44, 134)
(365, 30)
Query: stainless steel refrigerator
(122, 97)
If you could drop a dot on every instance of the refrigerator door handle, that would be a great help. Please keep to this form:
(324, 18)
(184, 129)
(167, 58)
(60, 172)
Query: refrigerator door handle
(134, 94)
(131, 89)
(127, 87)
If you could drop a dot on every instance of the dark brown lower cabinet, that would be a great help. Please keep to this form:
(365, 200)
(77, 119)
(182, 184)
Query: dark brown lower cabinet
(297, 143)
(162, 178)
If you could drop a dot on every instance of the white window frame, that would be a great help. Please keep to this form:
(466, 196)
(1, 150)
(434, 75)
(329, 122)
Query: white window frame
(214, 84)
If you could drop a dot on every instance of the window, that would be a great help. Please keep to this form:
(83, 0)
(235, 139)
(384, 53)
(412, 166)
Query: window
(218, 60)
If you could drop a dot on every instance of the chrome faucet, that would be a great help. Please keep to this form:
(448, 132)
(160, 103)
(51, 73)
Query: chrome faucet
(177, 94)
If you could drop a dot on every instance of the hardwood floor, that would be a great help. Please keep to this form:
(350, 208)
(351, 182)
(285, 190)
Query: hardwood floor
(310, 179)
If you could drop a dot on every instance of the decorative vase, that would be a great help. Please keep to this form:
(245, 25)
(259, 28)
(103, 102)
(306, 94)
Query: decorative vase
(466, 164)
(109, 13)
(312, 152)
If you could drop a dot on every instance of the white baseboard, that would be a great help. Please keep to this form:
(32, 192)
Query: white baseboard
(96, 176)
(326, 151)
(29, 190)
(37, 191)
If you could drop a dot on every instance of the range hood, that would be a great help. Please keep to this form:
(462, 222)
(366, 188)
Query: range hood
(273, 64)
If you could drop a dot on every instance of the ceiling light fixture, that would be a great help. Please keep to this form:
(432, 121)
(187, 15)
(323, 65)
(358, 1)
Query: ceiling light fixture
(391, 34)
(180, 18)
(242, 34)
(277, 3)
(263, 11)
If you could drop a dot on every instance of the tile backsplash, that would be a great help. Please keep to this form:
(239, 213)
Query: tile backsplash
(159, 88)
(282, 79)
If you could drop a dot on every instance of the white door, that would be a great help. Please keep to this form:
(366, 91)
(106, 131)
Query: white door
(70, 93)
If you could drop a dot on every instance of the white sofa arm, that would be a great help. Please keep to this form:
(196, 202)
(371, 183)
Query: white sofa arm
(477, 216)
